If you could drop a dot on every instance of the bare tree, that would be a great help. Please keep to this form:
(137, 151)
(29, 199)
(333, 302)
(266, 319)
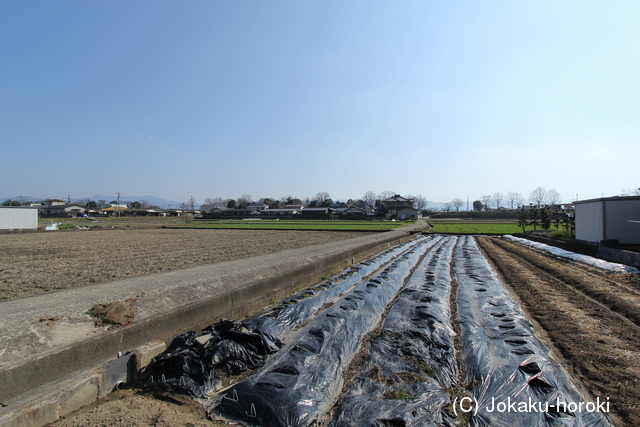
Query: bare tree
(447, 207)
(218, 202)
(538, 197)
(289, 200)
(420, 202)
(369, 199)
(387, 194)
(515, 199)
(208, 205)
(457, 204)
(553, 197)
(486, 201)
(322, 198)
(244, 201)
(630, 192)
(497, 198)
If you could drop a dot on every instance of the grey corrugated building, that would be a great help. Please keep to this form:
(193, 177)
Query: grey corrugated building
(609, 218)
(18, 218)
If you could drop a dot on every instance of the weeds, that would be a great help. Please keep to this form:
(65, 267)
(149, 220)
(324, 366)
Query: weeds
(403, 393)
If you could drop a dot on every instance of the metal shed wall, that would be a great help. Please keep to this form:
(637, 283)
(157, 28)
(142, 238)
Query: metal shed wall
(618, 221)
(589, 223)
(18, 218)
(610, 218)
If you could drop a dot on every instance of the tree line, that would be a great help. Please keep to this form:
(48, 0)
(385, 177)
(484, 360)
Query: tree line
(369, 200)
(509, 201)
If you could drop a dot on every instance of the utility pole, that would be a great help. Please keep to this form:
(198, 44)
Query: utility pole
(118, 204)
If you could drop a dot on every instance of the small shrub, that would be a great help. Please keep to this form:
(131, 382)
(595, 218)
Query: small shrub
(561, 234)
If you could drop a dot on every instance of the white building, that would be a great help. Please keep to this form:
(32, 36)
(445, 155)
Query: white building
(18, 218)
(609, 218)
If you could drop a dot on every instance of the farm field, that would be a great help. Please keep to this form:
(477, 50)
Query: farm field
(327, 225)
(409, 360)
(39, 262)
(475, 227)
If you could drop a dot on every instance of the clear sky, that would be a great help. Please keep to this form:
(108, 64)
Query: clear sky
(448, 99)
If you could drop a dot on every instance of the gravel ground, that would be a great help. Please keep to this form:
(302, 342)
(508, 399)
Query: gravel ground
(37, 262)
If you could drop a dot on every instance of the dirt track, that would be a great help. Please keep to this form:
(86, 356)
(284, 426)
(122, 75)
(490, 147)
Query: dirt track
(590, 316)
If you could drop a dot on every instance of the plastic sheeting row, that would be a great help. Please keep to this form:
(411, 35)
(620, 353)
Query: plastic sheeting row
(605, 265)
(517, 382)
(412, 362)
(300, 383)
(190, 363)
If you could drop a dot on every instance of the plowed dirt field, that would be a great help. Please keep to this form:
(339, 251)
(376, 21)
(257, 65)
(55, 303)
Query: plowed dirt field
(37, 262)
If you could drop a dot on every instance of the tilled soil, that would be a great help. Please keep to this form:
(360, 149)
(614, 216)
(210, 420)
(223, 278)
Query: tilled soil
(39, 262)
(590, 316)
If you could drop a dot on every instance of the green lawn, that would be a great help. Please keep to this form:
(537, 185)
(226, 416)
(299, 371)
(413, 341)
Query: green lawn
(479, 227)
(300, 225)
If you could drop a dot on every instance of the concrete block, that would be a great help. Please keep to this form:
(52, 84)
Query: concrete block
(47, 403)
(82, 393)
(145, 353)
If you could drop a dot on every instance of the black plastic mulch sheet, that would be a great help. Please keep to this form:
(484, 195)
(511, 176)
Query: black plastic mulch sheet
(518, 383)
(189, 364)
(301, 307)
(302, 381)
(412, 363)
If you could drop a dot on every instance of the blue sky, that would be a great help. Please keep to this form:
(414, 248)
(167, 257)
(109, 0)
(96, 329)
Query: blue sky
(290, 98)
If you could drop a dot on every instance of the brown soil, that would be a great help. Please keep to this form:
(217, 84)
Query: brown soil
(590, 316)
(38, 262)
(137, 408)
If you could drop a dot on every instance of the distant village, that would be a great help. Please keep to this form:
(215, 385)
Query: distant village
(394, 207)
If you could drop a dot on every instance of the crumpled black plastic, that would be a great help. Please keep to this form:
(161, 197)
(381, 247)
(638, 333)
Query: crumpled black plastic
(189, 366)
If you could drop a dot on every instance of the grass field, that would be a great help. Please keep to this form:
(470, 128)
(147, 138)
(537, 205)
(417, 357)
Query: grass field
(187, 222)
(475, 227)
(300, 225)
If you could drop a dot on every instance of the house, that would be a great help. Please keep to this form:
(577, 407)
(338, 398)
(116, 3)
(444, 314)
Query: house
(280, 213)
(355, 213)
(398, 207)
(397, 201)
(60, 210)
(609, 218)
(315, 213)
(258, 206)
(54, 202)
(18, 218)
